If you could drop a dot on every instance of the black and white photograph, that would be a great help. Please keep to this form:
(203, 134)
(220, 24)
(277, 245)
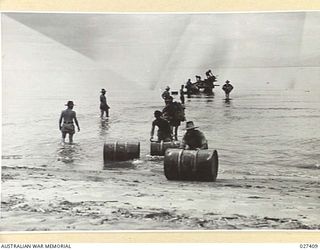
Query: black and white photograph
(160, 121)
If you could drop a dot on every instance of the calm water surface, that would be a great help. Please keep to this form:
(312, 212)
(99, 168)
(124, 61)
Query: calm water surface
(253, 133)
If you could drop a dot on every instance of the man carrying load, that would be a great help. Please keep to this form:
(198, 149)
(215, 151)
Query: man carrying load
(173, 112)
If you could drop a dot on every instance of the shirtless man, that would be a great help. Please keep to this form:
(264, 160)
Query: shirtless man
(164, 130)
(67, 127)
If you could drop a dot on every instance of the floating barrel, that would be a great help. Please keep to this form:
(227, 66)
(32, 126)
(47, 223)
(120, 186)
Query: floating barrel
(192, 165)
(118, 151)
(159, 148)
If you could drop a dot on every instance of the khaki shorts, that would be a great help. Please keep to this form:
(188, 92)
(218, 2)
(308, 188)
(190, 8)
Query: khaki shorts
(68, 128)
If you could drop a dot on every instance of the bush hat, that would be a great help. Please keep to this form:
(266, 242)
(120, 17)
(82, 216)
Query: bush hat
(69, 103)
(190, 125)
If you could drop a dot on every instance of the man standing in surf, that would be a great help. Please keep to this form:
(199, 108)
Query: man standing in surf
(68, 116)
(104, 107)
(166, 93)
(164, 130)
(227, 88)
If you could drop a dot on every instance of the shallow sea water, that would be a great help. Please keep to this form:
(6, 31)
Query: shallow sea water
(253, 132)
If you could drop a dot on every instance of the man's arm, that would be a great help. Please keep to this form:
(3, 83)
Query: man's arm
(152, 131)
(76, 121)
(204, 142)
(60, 120)
(183, 142)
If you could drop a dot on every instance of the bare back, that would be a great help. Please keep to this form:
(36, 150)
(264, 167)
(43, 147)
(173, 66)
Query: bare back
(68, 115)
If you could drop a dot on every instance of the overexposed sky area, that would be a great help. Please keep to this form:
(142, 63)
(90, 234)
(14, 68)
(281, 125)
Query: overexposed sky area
(155, 50)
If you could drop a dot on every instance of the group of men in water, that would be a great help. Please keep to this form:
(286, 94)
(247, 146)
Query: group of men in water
(168, 120)
(206, 85)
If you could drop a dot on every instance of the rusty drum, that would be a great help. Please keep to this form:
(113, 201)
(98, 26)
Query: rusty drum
(192, 165)
(121, 151)
(159, 148)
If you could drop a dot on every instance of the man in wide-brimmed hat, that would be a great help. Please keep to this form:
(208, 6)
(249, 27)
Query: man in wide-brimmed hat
(104, 107)
(227, 88)
(67, 127)
(193, 138)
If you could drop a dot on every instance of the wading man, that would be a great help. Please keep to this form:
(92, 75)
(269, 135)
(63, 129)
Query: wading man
(227, 88)
(164, 130)
(173, 112)
(182, 94)
(67, 127)
(104, 107)
(166, 93)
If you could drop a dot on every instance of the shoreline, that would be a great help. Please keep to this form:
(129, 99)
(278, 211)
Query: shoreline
(58, 199)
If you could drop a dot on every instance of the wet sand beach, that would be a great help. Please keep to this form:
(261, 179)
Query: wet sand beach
(39, 200)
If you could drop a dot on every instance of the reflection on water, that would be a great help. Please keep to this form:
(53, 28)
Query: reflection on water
(227, 102)
(201, 96)
(109, 165)
(103, 127)
(228, 109)
(69, 153)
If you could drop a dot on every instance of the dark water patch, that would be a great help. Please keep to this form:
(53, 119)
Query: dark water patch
(233, 185)
(70, 153)
(257, 197)
(273, 108)
(119, 165)
(157, 171)
(36, 168)
(38, 229)
(307, 166)
(95, 178)
(201, 96)
(5, 177)
(297, 116)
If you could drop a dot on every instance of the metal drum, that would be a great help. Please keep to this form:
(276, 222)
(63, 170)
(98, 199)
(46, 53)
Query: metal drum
(191, 165)
(121, 151)
(159, 148)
